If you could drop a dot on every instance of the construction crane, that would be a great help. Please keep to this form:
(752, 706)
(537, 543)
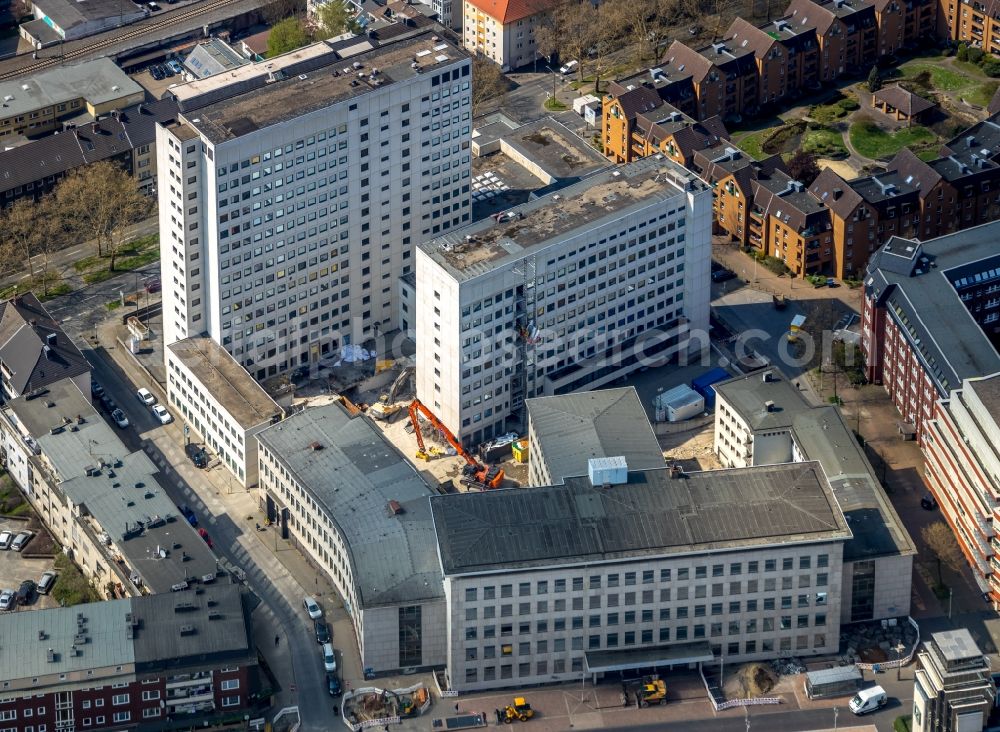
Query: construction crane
(476, 473)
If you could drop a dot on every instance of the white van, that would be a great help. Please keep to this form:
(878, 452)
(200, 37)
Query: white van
(569, 67)
(868, 700)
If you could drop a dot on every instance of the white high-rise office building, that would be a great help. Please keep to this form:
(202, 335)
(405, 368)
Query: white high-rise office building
(570, 291)
(293, 192)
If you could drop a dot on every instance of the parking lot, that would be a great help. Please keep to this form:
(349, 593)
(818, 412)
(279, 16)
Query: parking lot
(16, 567)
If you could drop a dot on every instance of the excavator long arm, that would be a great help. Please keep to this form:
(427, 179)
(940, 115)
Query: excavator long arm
(417, 406)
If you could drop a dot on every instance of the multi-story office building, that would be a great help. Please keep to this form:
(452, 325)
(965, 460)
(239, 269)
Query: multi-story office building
(572, 290)
(663, 570)
(38, 104)
(292, 196)
(123, 664)
(953, 687)
(763, 419)
(359, 511)
(929, 314)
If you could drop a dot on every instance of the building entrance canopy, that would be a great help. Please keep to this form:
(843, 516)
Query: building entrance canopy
(630, 660)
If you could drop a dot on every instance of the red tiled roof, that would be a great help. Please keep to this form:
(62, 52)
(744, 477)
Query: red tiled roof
(508, 11)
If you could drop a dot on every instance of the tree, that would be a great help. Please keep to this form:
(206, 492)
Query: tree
(334, 18)
(489, 85)
(102, 202)
(649, 22)
(963, 52)
(942, 545)
(277, 10)
(802, 166)
(874, 80)
(20, 230)
(285, 36)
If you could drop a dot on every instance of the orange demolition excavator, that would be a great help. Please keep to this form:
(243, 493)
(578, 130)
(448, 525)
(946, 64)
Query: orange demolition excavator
(476, 474)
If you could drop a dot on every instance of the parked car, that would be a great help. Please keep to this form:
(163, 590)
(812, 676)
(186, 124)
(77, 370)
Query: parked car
(161, 413)
(312, 607)
(155, 72)
(197, 454)
(868, 700)
(204, 535)
(175, 66)
(21, 540)
(46, 582)
(146, 396)
(189, 515)
(6, 537)
(154, 7)
(333, 684)
(120, 419)
(928, 502)
(167, 71)
(8, 599)
(152, 285)
(721, 275)
(322, 632)
(569, 67)
(329, 658)
(107, 403)
(96, 389)
(26, 593)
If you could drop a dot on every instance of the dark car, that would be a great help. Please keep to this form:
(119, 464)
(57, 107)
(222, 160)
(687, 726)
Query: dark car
(928, 502)
(96, 389)
(721, 275)
(155, 72)
(189, 515)
(196, 453)
(204, 535)
(26, 593)
(152, 285)
(333, 684)
(322, 632)
(107, 403)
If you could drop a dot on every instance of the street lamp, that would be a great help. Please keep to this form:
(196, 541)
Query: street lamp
(899, 658)
(951, 593)
(835, 713)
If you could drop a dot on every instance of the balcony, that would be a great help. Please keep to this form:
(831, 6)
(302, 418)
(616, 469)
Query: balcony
(190, 696)
(187, 680)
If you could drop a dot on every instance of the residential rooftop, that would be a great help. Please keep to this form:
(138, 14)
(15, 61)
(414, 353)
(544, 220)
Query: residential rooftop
(571, 429)
(651, 515)
(213, 57)
(226, 380)
(356, 69)
(484, 245)
(349, 468)
(822, 435)
(121, 638)
(98, 82)
(917, 282)
(34, 350)
(132, 516)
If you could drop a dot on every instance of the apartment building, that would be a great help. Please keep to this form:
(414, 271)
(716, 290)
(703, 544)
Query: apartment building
(669, 132)
(221, 402)
(292, 194)
(930, 318)
(504, 30)
(953, 687)
(566, 432)
(961, 469)
(732, 175)
(123, 664)
(569, 291)
(763, 419)
(359, 512)
(973, 22)
(34, 350)
(787, 55)
(663, 570)
(795, 226)
(66, 20)
(126, 137)
(37, 105)
(100, 500)
(846, 31)
(723, 76)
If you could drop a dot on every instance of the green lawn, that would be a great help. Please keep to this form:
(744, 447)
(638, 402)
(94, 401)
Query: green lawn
(964, 80)
(873, 142)
(824, 142)
(751, 144)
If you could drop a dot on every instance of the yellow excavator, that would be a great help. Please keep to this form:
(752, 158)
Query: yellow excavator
(520, 709)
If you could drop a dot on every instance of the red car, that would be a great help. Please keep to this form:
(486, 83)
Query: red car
(204, 535)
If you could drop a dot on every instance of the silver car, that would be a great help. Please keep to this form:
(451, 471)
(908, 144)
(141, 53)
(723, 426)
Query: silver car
(8, 599)
(6, 537)
(21, 540)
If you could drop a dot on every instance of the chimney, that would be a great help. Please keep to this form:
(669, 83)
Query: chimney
(768, 406)
(96, 128)
(676, 472)
(48, 352)
(767, 376)
(837, 193)
(51, 339)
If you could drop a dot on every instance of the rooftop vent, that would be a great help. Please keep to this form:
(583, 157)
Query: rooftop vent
(180, 586)
(676, 471)
(42, 635)
(215, 615)
(51, 339)
(184, 607)
(768, 406)
(52, 656)
(315, 446)
(187, 630)
(394, 508)
(767, 377)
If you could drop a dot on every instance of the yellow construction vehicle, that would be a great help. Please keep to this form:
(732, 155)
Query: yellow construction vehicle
(652, 691)
(520, 709)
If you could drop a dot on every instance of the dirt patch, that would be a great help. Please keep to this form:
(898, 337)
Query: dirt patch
(538, 138)
(750, 681)
(873, 655)
(841, 168)
(691, 450)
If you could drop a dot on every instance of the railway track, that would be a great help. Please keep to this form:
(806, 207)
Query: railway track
(147, 28)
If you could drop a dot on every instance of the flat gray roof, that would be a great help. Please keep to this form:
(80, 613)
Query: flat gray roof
(822, 435)
(99, 81)
(571, 429)
(67, 13)
(226, 380)
(121, 493)
(555, 148)
(650, 515)
(484, 245)
(323, 87)
(916, 283)
(156, 640)
(956, 645)
(354, 474)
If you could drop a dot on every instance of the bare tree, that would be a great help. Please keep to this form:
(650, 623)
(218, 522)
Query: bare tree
(943, 547)
(102, 200)
(53, 236)
(648, 23)
(281, 9)
(608, 32)
(489, 84)
(21, 233)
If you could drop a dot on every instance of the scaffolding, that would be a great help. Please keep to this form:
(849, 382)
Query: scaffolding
(523, 381)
